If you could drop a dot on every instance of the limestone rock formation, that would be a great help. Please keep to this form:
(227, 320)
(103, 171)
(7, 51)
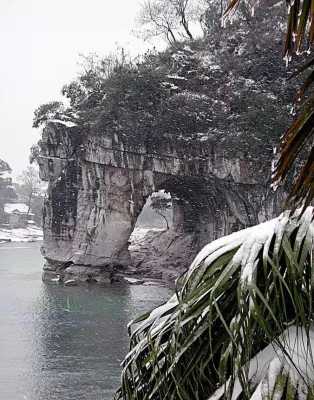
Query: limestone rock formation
(98, 186)
(199, 121)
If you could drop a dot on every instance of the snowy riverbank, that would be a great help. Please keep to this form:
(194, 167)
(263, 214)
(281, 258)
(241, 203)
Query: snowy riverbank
(29, 234)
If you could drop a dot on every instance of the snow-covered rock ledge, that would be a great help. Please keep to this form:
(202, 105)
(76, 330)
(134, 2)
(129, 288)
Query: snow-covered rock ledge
(28, 234)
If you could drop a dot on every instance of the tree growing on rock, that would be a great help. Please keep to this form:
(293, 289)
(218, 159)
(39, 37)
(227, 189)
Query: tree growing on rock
(161, 203)
(88, 89)
(47, 111)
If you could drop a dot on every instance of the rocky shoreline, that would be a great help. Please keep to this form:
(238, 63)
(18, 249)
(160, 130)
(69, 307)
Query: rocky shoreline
(79, 275)
(151, 264)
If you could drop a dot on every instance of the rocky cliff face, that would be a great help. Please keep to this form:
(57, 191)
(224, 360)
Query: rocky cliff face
(98, 186)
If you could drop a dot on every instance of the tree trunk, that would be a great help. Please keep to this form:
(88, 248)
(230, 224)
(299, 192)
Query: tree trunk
(162, 215)
(172, 35)
(30, 197)
(185, 25)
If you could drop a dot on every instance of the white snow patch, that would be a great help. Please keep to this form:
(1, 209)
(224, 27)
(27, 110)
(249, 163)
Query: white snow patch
(162, 193)
(192, 95)
(241, 49)
(249, 82)
(177, 77)
(10, 208)
(132, 280)
(296, 362)
(68, 124)
(207, 60)
(28, 234)
(139, 234)
(271, 96)
(170, 85)
(151, 283)
(5, 175)
(214, 67)
(276, 5)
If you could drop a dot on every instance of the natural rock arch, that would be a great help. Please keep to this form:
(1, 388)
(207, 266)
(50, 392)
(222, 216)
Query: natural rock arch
(98, 186)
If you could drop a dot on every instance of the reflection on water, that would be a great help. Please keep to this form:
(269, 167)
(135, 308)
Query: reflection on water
(61, 343)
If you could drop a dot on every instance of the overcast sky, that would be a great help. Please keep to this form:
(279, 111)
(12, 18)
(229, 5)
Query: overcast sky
(40, 41)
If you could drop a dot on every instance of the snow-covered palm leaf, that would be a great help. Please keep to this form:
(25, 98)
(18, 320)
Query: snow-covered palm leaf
(283, 370)
(240, 294)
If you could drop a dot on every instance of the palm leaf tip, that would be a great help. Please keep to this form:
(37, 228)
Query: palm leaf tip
(292, 145)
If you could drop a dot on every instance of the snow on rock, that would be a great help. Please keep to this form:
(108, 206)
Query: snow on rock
(133, 281)
(170, 85)
(5, 175)
(139, 234)
(70, 282)
(68, 124)
(208, 60)
(192, 95)
(151, 283)
(249, 82)
(177, 77)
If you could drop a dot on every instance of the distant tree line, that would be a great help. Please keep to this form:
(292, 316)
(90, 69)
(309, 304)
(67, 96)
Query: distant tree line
(7, 192)
(28, 190)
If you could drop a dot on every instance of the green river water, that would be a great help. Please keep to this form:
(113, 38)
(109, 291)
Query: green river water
(60, 343)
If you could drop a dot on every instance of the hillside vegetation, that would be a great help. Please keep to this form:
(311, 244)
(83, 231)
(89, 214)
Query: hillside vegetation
(229, 85)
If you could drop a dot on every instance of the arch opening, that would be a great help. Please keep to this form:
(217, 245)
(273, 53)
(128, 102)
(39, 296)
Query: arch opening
(164, 246)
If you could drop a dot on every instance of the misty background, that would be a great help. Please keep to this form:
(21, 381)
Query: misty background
(41, 41)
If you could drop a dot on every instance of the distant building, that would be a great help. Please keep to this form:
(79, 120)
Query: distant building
(16, 215)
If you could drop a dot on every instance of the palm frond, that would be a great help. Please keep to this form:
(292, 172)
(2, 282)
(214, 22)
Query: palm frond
(294, 140)
(277, 374)
(243, 294)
